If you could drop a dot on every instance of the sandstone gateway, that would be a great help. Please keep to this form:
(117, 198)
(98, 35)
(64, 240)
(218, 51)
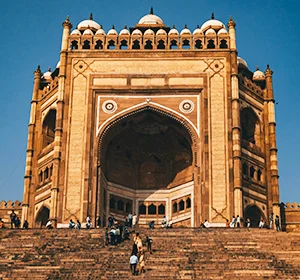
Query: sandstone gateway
(151, 120)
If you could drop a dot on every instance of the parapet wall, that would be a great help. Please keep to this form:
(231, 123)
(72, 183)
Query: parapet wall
(290, 216)
(5, 209)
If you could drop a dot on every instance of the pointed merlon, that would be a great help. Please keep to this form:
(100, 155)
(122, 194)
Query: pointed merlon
(91, 16)
(213, 15)
(151, 11)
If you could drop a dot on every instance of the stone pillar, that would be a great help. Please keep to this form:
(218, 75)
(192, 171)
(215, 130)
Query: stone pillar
(30, 142)
(236, 129)
(272, 140)
(59, 120)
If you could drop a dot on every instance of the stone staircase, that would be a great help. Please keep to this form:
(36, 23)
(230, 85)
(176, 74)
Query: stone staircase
(177, 254)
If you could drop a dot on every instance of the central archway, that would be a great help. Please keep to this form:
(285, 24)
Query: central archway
(146, 166)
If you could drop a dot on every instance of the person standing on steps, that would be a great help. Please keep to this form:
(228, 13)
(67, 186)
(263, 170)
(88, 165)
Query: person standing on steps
(277, 223)
(271, 219)
(98, 222)
(238, 221)
(13, 217)
(142, 262)
(133, 263)
(149, 242)
(233, 221)
(248, 223)
(130, 219)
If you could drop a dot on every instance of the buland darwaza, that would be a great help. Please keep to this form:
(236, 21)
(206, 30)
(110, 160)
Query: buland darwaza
(154, 121)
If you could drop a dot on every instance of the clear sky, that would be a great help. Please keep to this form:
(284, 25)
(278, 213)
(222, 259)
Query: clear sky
(267, 33)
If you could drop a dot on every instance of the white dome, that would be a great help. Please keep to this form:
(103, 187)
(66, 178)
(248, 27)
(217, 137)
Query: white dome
(100, 31)
(149, 32)
(258, 75)
(124, 31)
(222, 31)
(161, 32)
(210, 32)
(150, 19)
(113, 31)
(75, 32)
(88, 32)
(212, 23)
(241, 61)
(137, 32)
(173, 31)
(197, 31)
(58, 64)
(47, 75)
(185, 31)
(88, 24)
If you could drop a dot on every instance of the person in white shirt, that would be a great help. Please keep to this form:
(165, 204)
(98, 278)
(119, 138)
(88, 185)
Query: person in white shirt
(88, 224)
(206, 224)
(133, 262)
(238, 221)
(233, 221)
(164, 222)
(261, 223)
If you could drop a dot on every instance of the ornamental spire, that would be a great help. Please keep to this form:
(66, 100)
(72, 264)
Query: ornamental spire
(212, 15)
(151, 11)
(91, 16)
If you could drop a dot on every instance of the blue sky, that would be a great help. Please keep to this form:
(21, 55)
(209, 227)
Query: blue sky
(267, 33)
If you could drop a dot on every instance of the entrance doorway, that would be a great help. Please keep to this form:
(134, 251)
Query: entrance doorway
(42, 217)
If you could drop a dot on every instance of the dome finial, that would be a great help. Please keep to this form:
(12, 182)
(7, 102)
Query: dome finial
(257, 68)
(49, 69)
(91, 16)
(125, 26)
(212, 15)
(151, 11)
(113, 26)
(185, 26)
(173, 26)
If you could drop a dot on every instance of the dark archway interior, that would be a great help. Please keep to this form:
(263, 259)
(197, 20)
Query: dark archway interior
(250, 126)
(147, 151)
(255, 214)
(42, 217)
(49, 124)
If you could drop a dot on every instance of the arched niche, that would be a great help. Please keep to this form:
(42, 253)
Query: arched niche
(254, 213)
(251, 127)
(48, 128)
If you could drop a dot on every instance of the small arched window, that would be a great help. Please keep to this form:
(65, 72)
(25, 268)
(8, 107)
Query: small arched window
(136, 45)
(161, 209)
(74, 45)
(41, 177)
(152, 209)
(120, 205)
(186, 44)
(124, 45)
(86, 45)
(50, 171)
(175, 207)
(223, 44)
(142, 209)
(46, 173)
(99, 45)
(148, 45)
(198, 44)
(161, 44)
(252, 172)
(211, 44)
(250, 126)
(181, 205)
(112, 203)
(245, 169)
(188, 203)
(173, 45)
(259, 175)
(111, 45)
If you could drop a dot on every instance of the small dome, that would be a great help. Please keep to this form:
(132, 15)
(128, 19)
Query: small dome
(88, 24)
(222, 31)
(113, 31)
(137, 32)
(58, 64)
(173, 31)
(75, 32)
(124, 31)
(150, 19)
(185, 31)
(88, 32)
(47, 75)
(212, 23)
(258, 75)
(210, 32)
(242, 62)
(149, 32)
(100, 31)
(197, 31)
(161, 32)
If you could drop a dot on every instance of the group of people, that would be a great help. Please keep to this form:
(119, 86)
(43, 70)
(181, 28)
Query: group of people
(15, 221)
(137, 258)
